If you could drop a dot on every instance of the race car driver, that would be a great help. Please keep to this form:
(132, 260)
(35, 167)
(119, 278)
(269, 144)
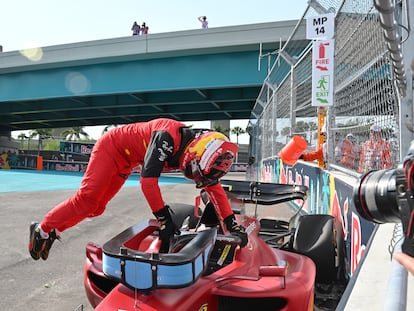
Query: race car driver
(158, 145)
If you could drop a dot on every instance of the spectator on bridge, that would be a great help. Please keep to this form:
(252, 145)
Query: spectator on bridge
(135, 29)
(159, 145)
(375, 153)
(204, 22)
(144, 29)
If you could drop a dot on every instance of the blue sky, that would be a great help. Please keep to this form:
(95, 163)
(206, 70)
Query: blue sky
(28, 23)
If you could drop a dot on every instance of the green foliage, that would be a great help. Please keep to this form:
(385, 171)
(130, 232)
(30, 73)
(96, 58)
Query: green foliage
(219, 129)
(22, 137)
(41, 134)
(52, 145)
(237, 130)
(75, 133)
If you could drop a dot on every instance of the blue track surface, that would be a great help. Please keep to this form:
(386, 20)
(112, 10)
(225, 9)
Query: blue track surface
(28, 181)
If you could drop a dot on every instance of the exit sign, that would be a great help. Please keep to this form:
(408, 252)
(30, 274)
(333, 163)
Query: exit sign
(320, 27)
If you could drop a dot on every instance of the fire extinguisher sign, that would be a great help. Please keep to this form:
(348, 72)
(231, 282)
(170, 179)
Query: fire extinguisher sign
(323, 72)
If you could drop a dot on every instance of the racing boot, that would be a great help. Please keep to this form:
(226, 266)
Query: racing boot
(236, 229)
(40, 242)
(167, 228)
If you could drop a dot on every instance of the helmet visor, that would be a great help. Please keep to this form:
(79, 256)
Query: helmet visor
(193, 171)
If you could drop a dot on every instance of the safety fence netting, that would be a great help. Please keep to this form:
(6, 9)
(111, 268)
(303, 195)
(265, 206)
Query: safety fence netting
(366, 95)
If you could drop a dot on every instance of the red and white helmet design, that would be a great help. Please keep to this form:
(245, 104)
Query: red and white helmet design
(207, 158)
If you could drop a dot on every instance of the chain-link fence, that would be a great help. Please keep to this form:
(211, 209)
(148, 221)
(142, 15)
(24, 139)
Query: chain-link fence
(366, 95)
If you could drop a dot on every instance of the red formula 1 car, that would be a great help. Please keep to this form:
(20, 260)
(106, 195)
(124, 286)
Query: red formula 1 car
(287, 265)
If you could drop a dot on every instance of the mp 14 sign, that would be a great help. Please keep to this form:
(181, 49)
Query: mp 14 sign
(320, 29)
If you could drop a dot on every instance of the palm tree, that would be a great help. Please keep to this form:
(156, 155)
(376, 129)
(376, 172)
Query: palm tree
(75, 133)
(237, 130)
(22, 137)
(41, 134)
(219, 129)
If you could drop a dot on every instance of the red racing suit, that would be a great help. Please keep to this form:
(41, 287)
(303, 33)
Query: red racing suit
(318, 154)
(157, 145)
(348, 154)
(375, 155)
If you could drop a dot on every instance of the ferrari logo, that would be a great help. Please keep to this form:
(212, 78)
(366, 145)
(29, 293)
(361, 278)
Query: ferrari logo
(203, 307)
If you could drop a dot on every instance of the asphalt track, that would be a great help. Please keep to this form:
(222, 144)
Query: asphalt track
(57, 284)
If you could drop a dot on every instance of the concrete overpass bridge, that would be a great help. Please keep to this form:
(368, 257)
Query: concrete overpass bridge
(187, 75)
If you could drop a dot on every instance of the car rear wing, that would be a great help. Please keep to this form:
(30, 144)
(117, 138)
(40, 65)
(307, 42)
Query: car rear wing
(263, 193)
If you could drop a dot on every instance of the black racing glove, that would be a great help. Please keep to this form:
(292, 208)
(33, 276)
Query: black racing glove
(236, 229)
(167, 228)
(39, 247)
